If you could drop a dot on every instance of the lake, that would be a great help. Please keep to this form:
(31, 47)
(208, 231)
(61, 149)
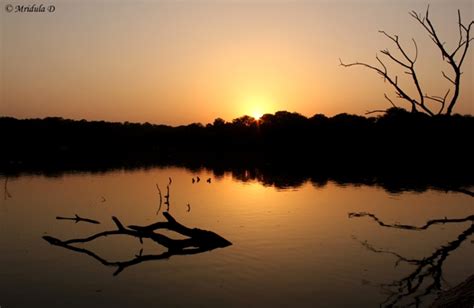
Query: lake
(292, 245)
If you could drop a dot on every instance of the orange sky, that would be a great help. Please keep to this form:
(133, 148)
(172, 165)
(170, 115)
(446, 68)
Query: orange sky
(192, 61)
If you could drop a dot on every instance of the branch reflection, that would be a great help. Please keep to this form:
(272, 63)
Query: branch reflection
(427, 276)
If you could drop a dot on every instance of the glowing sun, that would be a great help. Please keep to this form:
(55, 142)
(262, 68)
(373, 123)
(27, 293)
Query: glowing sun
(257, 115)
(257, 106)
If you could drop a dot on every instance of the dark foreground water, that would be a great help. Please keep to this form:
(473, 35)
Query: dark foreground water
(290, 247)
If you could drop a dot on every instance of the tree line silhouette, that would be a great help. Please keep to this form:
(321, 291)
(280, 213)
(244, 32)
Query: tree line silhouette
(397, 141)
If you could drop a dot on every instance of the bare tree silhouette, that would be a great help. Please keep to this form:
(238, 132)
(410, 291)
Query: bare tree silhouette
(454, 58)
(197, 241)
(427, 277)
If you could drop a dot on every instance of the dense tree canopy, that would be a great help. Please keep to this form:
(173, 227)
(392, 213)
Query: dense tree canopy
(397, 138)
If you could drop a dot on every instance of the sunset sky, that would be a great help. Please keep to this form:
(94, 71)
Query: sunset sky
(177, 62)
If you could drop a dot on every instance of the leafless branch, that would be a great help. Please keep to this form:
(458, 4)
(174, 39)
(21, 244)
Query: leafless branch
(463, 46)
(416, 50)
(387, 98)
(448, 78)
(460, 31)
(77, 219)
(197, 241)
(394, 82)
(387, 53)
(375, 111)
(161, 198)
(410, 66)
(408, 63)
(167, 198)
(439, 99)
(397, 42)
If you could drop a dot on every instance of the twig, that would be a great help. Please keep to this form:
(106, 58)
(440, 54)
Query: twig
(375, 111)
(161, 199)
(77, 219)
(167, 198)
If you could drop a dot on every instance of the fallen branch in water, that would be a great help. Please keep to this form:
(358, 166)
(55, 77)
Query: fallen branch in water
(167, 198)
(198, 241)
(161, 198)
(77, 219)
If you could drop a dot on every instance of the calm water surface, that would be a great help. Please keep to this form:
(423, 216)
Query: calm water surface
(294, 247)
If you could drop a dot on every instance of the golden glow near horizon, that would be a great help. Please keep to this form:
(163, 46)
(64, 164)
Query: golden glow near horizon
(257, 106)
(178, 62)
(257, 115)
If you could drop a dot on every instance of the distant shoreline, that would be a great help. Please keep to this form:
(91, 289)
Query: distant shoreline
(396, 142)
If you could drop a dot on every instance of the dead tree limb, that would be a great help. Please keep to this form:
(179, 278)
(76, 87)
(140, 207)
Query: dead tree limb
(450, 57)
(408, 64)
(161, 198)
(197, 241)
(77, 219)
(167, 198)
(375, 111)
